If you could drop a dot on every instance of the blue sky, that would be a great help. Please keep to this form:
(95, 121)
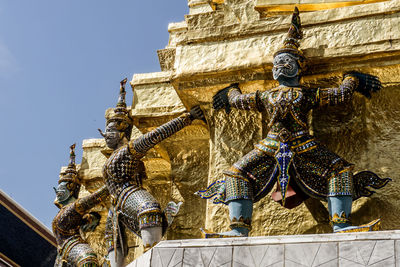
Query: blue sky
(60, 66)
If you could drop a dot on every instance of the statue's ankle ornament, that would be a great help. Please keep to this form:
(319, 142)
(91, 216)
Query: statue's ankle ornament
(241, 223)
(336, 219)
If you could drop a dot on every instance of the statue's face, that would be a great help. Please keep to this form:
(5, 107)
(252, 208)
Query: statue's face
(62, 192)
(112, 135)
(285, 66)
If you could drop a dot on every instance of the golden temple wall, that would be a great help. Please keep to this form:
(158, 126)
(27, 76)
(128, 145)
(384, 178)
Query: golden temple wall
(221, 42)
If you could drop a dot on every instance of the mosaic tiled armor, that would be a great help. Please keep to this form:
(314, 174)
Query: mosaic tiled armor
(72, 249)
(289, 151)
(134, 207)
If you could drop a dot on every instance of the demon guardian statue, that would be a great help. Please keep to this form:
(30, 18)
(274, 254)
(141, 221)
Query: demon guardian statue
(133, 207)
(74, 216)
(290, 155)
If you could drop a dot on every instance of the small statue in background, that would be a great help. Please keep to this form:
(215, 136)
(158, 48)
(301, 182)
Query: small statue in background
(290, 156)
(133, 207)
(73, 216)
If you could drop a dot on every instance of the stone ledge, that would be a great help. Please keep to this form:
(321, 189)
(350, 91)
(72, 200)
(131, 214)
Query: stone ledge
(177, 26)
(274, 7)
(200, 6)
(93, 142)
(212, 27)
(150, 78)
(166, 57)
(355, 249)
(155, 100)
(337, 39)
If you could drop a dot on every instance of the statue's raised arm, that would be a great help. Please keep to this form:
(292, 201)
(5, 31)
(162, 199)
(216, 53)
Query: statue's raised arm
(143, 143)
(352, 81)
(231, 96)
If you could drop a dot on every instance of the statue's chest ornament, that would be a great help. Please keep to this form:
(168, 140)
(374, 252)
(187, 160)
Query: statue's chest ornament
(283, 101)
(285, 98)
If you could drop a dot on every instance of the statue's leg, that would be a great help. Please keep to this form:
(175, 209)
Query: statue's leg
(151, 236)
(82, 255)
(239, 199)
(340, 202)
(111, 259)
(115, 261)
(240, 213)
(339, 210)
(249, 176)
(144, 211)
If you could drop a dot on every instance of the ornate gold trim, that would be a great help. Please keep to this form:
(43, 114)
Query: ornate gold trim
(375, 225)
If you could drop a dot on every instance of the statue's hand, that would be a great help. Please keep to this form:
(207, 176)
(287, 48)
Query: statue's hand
(221, 100)
(92, 220)
(197, 114)
(366, 83)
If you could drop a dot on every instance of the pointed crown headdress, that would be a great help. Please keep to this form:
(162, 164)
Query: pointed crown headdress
(291, 43)
(70, 175)
(120, 114)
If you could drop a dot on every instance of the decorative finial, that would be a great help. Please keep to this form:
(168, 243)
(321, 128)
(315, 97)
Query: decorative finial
(122, 93)
(72, 156)
(70, 174)
(295, 30)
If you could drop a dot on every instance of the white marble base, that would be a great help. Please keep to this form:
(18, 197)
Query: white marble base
(346, 250)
